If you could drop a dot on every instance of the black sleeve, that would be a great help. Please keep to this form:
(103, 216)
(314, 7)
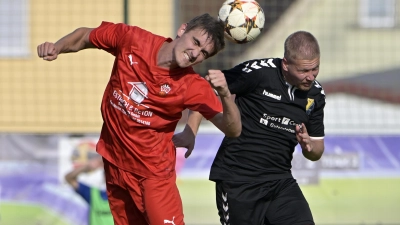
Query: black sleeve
(315, 125)
(240, 81)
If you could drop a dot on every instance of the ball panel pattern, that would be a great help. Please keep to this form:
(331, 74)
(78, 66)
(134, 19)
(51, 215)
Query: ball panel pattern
(244, 20)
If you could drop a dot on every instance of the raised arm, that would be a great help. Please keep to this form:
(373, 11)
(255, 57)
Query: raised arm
(228, 121)
(72, 176)
(73, 42)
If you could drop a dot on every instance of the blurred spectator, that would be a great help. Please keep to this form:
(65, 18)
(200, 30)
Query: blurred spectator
(99, 209)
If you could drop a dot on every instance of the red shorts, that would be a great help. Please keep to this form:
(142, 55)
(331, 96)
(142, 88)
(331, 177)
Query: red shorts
(135, 200)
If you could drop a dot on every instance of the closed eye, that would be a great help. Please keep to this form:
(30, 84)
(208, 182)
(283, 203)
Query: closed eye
(204, 52)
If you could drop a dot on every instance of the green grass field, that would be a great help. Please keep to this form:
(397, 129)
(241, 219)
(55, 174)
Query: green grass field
(18, 214)
(333, 202)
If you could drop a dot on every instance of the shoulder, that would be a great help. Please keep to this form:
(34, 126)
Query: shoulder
(317, 90)
(316, 95)
(254, 66)
(195, 79)
(187, 77)
(121, 29)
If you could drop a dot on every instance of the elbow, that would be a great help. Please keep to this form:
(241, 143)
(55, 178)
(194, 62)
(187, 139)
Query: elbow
(234, 133)
(315, 158)
(313, 155)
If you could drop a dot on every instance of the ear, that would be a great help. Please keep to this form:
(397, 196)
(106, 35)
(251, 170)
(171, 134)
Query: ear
(181, 30)
(285, 64)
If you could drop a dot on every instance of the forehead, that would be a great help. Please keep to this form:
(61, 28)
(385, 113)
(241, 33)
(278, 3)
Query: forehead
(306, 63)
(203, 37)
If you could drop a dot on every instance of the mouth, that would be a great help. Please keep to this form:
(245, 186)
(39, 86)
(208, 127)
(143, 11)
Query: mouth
(308, 84)
(188, 57)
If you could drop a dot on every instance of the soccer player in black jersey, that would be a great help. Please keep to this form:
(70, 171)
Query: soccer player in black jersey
(281, 105)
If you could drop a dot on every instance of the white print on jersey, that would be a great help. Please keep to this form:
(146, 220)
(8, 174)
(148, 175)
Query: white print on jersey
(278, 122)
(317, 85)
(255, 65)
(225, 207)
(131, 60)
(170, 221)
(138, 92)
(274, 96)
(130, 105)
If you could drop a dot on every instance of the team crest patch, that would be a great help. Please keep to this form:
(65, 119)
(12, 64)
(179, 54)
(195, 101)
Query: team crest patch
(310, 105)
(165, 88)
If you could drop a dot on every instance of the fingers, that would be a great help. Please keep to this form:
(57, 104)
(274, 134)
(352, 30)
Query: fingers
(217, 80)
(303, 138)
(215, 77)
(301, 129)
(188, 152)
(47, 51)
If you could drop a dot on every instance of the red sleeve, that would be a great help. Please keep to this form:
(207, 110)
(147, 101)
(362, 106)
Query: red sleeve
(201, 97)
(108, 35)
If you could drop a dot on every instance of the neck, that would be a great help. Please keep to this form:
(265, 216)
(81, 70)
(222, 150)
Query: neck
(284, 75)
(165, 58)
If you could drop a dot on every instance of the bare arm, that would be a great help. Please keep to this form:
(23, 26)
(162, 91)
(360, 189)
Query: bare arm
(72, 176)
(228, 121)
(316, 151)
(193, 123)
(73, 42)
(312, 149)
(187, 137)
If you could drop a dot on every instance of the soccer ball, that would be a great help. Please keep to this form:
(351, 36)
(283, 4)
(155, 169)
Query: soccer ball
(244, 20)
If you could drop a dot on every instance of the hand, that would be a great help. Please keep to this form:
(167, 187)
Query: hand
(47, 51)
(303, 138)
(186, 140)
(217, 80)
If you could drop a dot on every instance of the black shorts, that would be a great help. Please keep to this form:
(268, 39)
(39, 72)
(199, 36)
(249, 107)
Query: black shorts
(262, 203)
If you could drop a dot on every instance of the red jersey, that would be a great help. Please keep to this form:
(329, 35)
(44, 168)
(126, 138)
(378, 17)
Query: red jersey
(143, 103)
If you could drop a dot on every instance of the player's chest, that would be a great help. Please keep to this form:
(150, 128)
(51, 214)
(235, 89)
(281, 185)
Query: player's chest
(144, 85)
(283, 97)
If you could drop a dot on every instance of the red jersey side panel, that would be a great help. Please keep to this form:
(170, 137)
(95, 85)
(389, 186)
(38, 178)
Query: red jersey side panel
(143, 103)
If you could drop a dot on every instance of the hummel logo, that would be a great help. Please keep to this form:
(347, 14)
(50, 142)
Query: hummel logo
(274, 96)
(226, 207)
(225, 196)
(131, 60)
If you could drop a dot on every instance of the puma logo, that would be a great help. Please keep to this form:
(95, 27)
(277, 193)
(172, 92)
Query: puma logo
(170, 221)
(131, 60)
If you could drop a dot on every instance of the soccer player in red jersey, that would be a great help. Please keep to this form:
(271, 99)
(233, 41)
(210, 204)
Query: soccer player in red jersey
(151, 83)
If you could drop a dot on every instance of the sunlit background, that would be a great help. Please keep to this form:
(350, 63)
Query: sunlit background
(50, 111)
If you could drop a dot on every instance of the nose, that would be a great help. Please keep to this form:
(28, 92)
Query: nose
(310, 76)
(196, 52)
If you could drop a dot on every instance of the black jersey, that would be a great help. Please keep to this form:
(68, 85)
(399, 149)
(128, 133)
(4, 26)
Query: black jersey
(270, 108)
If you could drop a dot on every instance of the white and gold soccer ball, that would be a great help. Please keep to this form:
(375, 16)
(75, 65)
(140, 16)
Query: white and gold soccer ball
(244, 20)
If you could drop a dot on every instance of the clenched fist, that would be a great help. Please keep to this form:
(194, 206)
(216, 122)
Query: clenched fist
(47, 51)
(217, 80)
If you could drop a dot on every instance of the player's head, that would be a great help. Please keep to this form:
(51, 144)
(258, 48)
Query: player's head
(301, 60)
(200, 38)
(211, 26)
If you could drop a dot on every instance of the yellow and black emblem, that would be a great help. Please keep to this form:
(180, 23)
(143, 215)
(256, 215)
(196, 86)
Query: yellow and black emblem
(310, 105)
